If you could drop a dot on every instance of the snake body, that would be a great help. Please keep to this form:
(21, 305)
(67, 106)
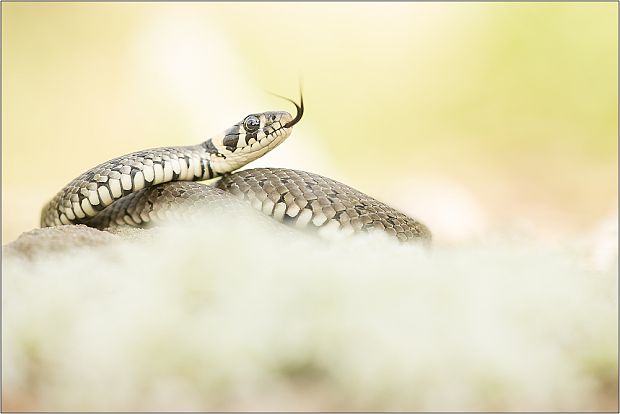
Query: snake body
(139, 188)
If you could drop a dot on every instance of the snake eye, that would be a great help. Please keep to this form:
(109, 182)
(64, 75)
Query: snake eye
(251, 123)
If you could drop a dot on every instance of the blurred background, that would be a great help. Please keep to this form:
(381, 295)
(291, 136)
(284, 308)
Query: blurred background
(479, 119)
(474, 118)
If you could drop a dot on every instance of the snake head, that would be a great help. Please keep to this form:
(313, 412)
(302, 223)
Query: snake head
(256, 131)
(250, 138)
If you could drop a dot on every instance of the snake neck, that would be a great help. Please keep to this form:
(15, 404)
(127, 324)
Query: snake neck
(224, 159)
(99, 187)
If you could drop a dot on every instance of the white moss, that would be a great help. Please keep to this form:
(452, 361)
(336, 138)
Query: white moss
(234, 315)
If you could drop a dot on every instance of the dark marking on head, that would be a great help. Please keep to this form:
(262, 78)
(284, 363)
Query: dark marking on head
(230, 142)
(249, 136)
(210, 147)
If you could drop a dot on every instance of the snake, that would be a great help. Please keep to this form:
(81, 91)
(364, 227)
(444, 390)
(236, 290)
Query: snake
(137, 188)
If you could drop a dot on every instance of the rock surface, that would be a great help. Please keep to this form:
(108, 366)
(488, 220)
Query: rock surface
(57, 239)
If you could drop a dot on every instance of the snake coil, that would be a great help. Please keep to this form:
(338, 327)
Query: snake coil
(134, 189)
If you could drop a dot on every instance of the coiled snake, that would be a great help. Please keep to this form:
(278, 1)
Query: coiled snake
(134, 189)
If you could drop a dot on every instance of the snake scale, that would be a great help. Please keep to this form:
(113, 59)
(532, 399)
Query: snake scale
(135, 189)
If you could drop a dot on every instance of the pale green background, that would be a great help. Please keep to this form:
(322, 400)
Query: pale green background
(473, 117)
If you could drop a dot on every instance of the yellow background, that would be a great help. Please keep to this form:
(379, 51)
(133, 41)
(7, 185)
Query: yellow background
(472, 117)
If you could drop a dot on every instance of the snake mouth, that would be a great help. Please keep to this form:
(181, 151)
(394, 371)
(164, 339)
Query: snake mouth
(300, 110)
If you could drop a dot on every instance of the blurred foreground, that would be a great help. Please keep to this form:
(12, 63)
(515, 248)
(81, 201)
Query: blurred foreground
(231, 314)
